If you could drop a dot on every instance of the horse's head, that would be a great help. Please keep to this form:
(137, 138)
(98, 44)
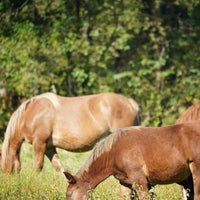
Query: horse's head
(76, 190)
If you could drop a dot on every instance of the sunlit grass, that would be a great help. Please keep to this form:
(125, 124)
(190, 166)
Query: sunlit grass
(50, 185)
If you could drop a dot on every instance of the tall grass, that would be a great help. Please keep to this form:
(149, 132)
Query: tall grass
(50, 185)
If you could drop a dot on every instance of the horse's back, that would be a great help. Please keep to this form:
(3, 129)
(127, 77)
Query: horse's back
(104, 110)
(155, 139)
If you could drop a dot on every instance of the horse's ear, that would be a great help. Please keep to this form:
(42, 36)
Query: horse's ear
(70, 178)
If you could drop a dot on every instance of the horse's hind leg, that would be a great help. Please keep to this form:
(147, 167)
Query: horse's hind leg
(195, 170)
(187, 188)
(13, 158)
(52, 154)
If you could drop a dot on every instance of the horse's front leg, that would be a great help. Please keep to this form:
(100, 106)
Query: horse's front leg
(195, 170)
(141, 190)
(39, 149)
(52, 154)
(125, 193)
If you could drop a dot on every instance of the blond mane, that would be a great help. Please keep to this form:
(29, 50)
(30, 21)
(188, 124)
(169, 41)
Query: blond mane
(101, 147)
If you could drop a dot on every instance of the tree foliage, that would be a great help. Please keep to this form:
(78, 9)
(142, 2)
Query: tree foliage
(148, 50)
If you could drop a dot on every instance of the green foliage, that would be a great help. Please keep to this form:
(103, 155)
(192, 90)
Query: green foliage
(145, 50)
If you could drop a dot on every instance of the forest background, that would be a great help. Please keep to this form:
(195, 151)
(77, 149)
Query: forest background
(147, 50)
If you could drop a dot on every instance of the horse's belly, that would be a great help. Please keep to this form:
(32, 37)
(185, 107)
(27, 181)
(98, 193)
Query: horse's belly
(170, 174)
(75, 142)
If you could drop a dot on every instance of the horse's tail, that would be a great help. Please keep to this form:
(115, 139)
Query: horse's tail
(13, 126)
(136, 109)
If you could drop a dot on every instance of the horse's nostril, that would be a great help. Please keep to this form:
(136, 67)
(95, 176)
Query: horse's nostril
(68, 196)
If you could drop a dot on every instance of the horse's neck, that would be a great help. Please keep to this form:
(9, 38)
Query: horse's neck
(96, 172)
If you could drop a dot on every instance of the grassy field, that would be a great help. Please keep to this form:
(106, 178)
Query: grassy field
(50, 185)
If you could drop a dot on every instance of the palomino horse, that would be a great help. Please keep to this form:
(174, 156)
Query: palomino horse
(141, 157)
(191, 114)
(48, 121)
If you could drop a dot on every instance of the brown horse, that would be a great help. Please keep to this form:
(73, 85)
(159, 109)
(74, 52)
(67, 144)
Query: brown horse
(141, 157)
(48, 121)
(191, 114)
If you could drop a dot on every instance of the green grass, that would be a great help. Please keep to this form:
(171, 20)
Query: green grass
(50, 185)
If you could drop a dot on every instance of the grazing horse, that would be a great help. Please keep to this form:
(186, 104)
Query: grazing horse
(191, 114)
(141, 157)
(48, 121)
